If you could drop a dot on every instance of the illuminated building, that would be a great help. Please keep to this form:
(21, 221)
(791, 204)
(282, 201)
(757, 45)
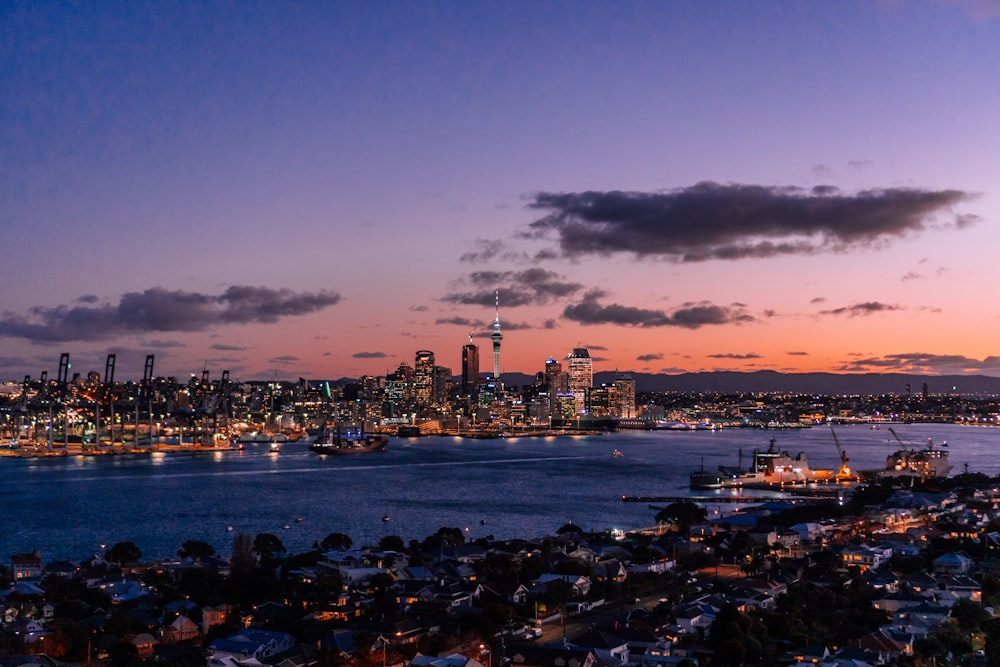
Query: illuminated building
(581, 377)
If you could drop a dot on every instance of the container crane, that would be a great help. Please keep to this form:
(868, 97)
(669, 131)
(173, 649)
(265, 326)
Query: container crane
(844, 472)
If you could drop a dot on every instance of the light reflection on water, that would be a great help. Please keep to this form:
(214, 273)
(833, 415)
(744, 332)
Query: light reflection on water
(521, 487)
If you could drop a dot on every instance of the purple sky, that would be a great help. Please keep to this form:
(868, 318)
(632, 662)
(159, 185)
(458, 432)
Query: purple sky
(320, 190)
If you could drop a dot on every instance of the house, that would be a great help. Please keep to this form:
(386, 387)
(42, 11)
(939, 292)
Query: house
(952, 563)
(180, 629)
(251, 643)
(212, 616)
(506, 591)
(546, 656)
(865, 556)
(26, 566)
(580, 584)
(144, 644)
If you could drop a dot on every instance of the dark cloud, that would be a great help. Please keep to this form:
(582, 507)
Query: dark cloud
(822, 171)
(487, 250)
(164, 344)
(650, 357)
(730, 355)
(283, 359)
(158, 309)
(369, 355)
(228, 348)
(818, 299)
(462, 322)
(923, 363)
(419, 309)
(866, 308)
(688, 316)
(533, 286)
(797, 353)
(715, 221)
(88, 298)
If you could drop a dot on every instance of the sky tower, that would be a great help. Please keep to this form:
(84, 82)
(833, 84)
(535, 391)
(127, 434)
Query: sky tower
(496, 337)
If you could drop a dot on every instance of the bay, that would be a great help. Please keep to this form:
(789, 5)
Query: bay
(516, 487)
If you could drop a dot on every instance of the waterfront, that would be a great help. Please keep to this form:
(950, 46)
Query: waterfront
(66, 507)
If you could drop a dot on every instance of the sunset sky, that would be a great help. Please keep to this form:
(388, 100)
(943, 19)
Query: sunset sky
(288, 189)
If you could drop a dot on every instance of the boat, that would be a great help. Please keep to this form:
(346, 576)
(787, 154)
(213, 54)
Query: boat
(350, 441)
(617, 453)
(704, 479)
(908, 462)
(770, 468)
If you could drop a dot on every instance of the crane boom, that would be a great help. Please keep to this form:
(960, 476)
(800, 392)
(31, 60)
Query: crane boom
(845, 468)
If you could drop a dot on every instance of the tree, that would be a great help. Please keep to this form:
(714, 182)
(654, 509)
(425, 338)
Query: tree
(122, 553)
(196, 550)
(266, 545)
(243, 550)
(684, 514)
(336, 541)
(569, 527)
(969, 615)
(392, 543)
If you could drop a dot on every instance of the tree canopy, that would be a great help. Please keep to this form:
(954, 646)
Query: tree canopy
(684, 513)
(196, 549)
(122, 553)
(266, 545)
(336, 541)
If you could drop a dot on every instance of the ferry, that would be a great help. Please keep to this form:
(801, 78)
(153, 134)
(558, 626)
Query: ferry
(351, 441)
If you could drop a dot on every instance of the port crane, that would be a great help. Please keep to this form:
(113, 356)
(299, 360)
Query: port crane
(844, 472)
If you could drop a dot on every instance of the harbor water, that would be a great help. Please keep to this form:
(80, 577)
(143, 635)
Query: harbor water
(67, 507)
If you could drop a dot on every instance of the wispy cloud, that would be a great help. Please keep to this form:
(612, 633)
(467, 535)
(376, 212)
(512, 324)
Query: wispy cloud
(731, 355)
(462, 322)
(733, 221)
(158, 309)
(654, 356)
(866, 308)
(533, 286)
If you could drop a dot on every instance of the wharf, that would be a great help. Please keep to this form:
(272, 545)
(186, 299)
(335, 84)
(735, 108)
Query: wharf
(695, 499)
(42, 450)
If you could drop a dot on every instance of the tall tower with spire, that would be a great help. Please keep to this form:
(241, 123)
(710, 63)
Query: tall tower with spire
(496, 337)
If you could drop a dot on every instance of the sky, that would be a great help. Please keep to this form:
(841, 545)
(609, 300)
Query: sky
(319, 190)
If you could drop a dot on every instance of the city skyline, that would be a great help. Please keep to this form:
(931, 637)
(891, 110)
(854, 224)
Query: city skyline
(322, 190)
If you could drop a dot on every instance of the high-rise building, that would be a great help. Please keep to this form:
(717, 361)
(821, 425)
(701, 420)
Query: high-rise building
(554, 377)
(625, 397)
(581, 377)
(470, 368)
(496, 337)
(441, 385)
(423, 376)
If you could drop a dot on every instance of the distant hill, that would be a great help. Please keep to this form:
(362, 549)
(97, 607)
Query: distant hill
(773, 381)
(820, 383)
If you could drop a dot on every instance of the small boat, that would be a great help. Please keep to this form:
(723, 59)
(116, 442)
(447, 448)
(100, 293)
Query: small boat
(385, 517)
(617, 453)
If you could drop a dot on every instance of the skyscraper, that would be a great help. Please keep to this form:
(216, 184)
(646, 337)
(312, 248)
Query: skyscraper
(624, 397)
(496, 337)
(581, 377)
(423, 376)
(470, 368)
